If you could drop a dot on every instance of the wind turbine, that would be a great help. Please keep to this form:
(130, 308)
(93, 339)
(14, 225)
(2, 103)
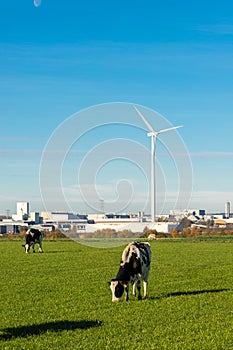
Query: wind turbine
(153, 135)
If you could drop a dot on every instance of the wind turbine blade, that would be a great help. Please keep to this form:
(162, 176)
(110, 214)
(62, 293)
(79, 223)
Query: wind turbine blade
(165, 130)
(144, 119)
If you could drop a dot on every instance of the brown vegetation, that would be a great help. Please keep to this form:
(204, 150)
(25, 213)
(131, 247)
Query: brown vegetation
(111, 233)
(47, 235)
(197, 231)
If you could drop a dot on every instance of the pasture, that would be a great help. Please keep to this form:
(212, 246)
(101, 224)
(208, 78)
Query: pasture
(61, 300)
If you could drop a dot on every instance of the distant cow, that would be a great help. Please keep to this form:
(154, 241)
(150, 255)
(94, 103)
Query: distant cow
(33, 236)
(134, 268)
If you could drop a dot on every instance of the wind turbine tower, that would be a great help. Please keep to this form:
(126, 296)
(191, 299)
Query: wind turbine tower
(153, 135)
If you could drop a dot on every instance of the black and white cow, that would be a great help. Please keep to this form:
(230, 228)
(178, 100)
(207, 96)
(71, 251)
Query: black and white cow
(134, 268)
(33, 236)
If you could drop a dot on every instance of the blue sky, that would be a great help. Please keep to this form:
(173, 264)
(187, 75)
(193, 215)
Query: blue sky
(174, 57)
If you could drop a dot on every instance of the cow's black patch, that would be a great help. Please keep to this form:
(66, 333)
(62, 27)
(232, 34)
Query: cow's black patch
(145, 258)
(139, 245)
(119, 290)
(124, 273)
(131, 268)
(136, 264)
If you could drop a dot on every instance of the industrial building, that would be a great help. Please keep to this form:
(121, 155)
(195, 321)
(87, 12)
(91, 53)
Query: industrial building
(81, 223)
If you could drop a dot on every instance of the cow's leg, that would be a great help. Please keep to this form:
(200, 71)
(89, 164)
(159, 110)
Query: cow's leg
(40, 245)
(127, 292)
(139, 289)
(145, 289)
(27, 248)
(134, 289)
(33, 247)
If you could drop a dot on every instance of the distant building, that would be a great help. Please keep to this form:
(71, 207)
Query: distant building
(62, 217)
(227, 210)
(22, 210)
(11, 226)
(179, 214)
(164, 227)
(35, 218)
(113, 218)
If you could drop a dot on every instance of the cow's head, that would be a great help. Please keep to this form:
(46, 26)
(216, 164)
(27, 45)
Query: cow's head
(117, 289)
(26, 247)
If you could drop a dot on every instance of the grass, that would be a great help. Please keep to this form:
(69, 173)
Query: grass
(60, 299)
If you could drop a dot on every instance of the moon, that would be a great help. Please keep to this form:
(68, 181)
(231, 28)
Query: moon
(37, 3)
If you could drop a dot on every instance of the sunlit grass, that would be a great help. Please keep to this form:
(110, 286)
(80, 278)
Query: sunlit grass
(60, 299)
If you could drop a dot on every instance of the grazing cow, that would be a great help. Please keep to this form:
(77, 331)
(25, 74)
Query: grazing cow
(134, 268)
(33, 236)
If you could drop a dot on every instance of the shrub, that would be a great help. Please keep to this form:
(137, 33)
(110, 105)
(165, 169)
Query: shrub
(54, 234)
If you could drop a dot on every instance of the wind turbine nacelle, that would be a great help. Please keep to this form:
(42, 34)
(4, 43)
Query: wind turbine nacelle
(152, 133)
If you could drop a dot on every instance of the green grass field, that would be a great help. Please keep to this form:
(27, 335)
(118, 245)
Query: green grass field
(65, 302)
